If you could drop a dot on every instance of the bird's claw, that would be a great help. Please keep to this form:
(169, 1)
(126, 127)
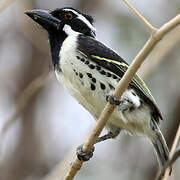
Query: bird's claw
(83, 156)
(112, 99)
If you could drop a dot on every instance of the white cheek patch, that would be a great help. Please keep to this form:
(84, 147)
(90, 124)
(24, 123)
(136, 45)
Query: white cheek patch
(68, 30)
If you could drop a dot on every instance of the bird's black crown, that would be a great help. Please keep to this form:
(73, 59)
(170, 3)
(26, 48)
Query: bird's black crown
(59, 12)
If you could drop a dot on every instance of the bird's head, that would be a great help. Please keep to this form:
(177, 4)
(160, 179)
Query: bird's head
(64, 20)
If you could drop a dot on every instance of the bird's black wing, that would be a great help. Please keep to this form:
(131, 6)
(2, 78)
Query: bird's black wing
(107, 58)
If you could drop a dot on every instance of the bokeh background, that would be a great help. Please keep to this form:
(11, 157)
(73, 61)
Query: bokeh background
(40, 123)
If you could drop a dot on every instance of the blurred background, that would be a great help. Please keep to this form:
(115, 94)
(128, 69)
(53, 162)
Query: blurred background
(40, 123)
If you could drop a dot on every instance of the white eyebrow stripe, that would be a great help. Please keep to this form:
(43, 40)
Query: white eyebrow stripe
(71, 11)
(82, 18)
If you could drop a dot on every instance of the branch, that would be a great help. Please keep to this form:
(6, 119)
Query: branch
(169, 164)
(145, 21)
(4, 4)
(159, 54)
(25, 98)
(62, 167)
(175, 142)
(173, 149)
(123, 84)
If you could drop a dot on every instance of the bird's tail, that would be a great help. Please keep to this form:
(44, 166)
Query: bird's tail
(159, 144)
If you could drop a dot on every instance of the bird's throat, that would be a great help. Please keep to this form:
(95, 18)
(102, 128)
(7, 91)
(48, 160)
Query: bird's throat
(56, 40)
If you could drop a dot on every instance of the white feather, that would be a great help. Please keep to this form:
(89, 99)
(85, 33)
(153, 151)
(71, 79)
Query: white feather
(68, 30)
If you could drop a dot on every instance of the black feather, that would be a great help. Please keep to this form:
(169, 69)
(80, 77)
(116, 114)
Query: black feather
(92, 48)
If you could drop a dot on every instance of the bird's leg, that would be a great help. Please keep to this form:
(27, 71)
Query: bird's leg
(83, 156)
(109, 135)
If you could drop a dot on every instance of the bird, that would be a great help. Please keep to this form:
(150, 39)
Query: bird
(90, 71)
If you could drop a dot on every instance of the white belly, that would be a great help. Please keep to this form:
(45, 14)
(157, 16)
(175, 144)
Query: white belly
(91, 91)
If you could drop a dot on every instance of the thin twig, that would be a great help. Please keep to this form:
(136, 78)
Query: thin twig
(145, 21)
(4, 4)
(168, 44)
(175, 142)
(61, 168)
(25, 98)
(169, 164)
(171, 154)
(123, 84)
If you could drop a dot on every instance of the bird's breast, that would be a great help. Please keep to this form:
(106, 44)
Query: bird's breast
(89, 84)
(85, 80)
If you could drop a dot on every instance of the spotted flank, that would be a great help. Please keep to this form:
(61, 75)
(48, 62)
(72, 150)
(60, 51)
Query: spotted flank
(108, 59)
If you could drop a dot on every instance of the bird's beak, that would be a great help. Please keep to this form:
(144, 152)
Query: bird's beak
(44, 18)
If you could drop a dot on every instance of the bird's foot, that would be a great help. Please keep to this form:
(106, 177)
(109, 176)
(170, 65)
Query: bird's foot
(112, 99)
(83, 156)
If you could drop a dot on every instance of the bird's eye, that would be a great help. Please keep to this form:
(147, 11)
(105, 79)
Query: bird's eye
(68, 16)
